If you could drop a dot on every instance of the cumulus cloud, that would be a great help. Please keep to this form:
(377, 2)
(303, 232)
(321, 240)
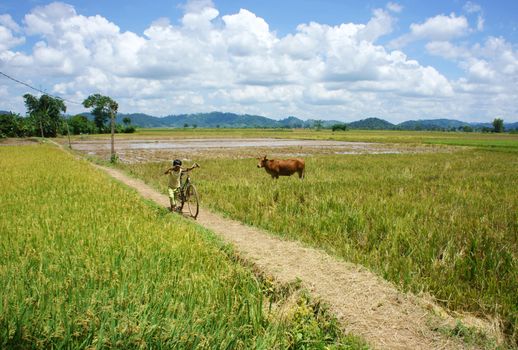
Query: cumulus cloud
(236, 62)
(438, 28)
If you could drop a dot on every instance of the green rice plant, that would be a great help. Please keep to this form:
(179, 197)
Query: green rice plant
(86, 263)
(442, 223)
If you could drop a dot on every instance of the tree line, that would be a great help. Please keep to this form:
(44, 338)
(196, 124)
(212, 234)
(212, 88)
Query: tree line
(45, 118)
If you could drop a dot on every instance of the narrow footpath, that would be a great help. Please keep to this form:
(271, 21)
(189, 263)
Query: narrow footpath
(365, 304)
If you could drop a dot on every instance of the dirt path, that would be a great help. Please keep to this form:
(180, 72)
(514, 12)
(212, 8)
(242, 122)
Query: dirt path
(365, 304)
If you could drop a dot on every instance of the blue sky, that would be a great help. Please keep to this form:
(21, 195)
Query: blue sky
(324, 59)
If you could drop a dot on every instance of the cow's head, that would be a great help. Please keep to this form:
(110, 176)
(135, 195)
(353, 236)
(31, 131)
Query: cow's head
(262, 162)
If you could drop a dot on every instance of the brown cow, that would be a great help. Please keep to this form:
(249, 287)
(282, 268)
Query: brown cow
(282, 167)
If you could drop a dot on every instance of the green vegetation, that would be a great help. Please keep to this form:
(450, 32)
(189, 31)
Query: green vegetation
(45, 113)
(14, 125)
(103, 108)
(445, 223)
(498, 125)
(79, 124)
(85, 263)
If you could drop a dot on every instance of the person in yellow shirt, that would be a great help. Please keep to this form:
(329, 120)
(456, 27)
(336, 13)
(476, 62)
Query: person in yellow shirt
(173, 186)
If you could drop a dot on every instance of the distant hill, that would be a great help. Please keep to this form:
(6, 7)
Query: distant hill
(215, 120)
(432, 124)
(371, 124)
(232, 120)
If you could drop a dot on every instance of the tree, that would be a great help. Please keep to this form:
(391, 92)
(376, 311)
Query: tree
(102, 108)
(45, 112)
(498, 125)
(8, 125)
(318, 124)
(79, 124)
(126, 121)
(337, 127)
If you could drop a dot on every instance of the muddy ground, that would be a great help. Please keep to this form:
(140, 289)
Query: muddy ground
(145, 150)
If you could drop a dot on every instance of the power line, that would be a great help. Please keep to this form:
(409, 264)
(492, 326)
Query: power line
(39, 90)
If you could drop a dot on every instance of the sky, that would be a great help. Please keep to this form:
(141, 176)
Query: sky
(328, 59)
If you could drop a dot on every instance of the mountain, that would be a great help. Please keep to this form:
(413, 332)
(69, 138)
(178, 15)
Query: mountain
(432, 124)
(232, 120)
(210, 120)
(371, 124)
(220, 119)
(142, 120)
(292, 122)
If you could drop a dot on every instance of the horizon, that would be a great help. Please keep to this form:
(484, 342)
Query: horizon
(331, 60)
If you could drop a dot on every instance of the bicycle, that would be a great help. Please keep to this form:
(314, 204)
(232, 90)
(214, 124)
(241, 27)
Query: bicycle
(189, 195)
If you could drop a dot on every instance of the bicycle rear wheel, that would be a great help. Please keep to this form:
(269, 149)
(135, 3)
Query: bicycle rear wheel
(191, 199)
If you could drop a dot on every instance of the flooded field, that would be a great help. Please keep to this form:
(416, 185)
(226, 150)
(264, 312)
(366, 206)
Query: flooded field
(145, 150)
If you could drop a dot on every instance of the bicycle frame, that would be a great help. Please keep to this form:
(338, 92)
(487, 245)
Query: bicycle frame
(183, 185)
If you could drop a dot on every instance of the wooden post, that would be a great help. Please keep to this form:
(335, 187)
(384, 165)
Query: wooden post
(68, 133)
(112, 158)
(40, 119)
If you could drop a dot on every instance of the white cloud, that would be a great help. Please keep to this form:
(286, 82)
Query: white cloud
(480, 23)
(8, 38)
(8, 22)
(471, 7)
(378, 26)
(394, 7)
(446, 50)
(438, 28)
(495, 61)
(196, 6)
(235, 62)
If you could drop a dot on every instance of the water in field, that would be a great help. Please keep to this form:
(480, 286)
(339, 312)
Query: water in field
(134, 150)
(217, 143)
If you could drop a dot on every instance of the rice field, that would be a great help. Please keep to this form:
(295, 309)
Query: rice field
(86, 263)
(439, 223)
(474, 139)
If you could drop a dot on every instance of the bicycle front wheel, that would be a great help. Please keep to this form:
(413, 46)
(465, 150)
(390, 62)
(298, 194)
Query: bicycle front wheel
(191, 199)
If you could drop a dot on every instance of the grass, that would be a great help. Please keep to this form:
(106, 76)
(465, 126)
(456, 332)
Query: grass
(85, 263)
(441, 223)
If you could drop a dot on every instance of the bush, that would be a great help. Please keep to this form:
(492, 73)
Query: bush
(14, 125)
(79, 124)
(338, 127)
